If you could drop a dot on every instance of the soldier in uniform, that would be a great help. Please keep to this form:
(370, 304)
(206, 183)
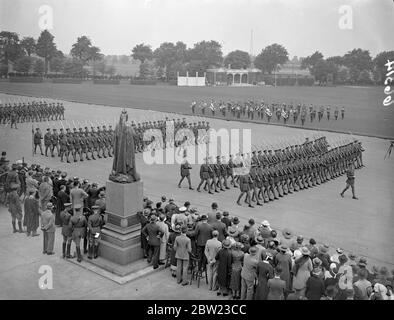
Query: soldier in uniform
(204, 175)
(78, 226)
(55, 142)
(224, 172)
(255, 184)
(83, 142)
(77, 146)
(65, 217)
(63, 146)
(336, 113)
(37, 141)
(328, 113)
(185, 173)
(343, 112)
(47, 141)
(95, 222)
(230, 170)
(244, 186)
(213, 171)
(350, 180)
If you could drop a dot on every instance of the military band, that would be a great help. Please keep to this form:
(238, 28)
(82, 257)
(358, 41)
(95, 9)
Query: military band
(257, 110)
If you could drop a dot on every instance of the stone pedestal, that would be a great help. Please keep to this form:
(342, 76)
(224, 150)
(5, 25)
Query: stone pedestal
(120, 237)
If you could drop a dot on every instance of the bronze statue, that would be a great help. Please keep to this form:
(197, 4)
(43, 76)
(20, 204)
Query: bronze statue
(124, 168)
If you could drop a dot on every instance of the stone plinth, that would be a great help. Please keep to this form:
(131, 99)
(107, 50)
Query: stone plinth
(120, 237)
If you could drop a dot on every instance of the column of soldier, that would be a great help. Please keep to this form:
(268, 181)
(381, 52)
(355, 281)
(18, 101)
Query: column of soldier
(254, 110)
(30, 111)
(268, 175)
(89, 144)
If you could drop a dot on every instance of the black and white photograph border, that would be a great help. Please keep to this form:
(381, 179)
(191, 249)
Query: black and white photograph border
(196, 150)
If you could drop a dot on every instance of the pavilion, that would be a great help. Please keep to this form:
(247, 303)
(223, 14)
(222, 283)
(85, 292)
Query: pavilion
(227, 76)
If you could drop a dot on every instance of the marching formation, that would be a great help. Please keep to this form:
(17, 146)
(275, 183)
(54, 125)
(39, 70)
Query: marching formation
(83, 143)
(254, 110)
(30, 111)
(269, 174)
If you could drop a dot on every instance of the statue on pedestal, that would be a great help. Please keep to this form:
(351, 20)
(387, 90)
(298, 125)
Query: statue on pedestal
(124, 167)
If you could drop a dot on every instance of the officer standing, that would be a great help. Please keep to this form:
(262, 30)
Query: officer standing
(55, 142)
(78, 226)
(95, 222)
(350, 180)
(204, 176)
(47, 142)
(37, 141)
(65, 217)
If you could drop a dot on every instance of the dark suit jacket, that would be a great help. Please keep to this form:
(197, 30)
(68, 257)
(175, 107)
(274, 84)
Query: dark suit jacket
(203, 233)
(221, 227)
(151, 230)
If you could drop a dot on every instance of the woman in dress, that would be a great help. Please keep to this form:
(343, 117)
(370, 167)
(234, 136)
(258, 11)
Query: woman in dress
(237, 257)
(302, 271)
(265, 271)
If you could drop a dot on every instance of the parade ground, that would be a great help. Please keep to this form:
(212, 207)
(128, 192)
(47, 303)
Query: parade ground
(364, 110)
(361, 226)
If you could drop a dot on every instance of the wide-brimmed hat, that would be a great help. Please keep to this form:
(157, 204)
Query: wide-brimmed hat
(317, 262)
(182, 209)
(283, 247)
(305, 251)
(287, 233)
(231, 230)
(253, 251)
(226, 244)
(342, 258)
(235, 220)
(265, 223)
(339, 250)
(324, 248)
(259, 239)
(153, 218)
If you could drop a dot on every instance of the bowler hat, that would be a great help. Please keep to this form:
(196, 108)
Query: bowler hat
(204, 217)
(253, 251)
(235, 220)
(342, 258)
(260, 240)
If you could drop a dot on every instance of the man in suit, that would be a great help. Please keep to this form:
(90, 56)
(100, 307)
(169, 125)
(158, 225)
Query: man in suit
(212, 247)
(185, 173)
(220, 227)
(202, 233)
(164, 239)
(212, 214)
(182, 247)
(48, 228)
(249, 274)
(153, 234)
(77, 195)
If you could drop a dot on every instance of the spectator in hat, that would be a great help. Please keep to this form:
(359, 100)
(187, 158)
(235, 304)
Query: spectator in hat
(287, 238)
(265, 229)
(179, 218)
(171, 241)
(361, 285)
(345, 281)
(45, 192)
(153, 234)
(249, 274)
(15, 207)
(164, 239)
(236, 224)
(170, 208)
(93, 194)
(314, 286)
(302, 270)
(233, 234)
(335, 256)
(260, 247)
(32, 214)
(276, 286)
(265, 271)
(244, 239)
(48, 228)
(312, 246)
(212, 247)
(283, 260)
(77, 195)
(298, 244)
(226, 220)
(220, 227)
(324, 256)
(223, 258)
(237, 257)
(183, 248)
(202, 233)
(31, 183)
(330, 293)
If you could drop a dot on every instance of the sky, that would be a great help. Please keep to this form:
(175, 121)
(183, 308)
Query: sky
(301, 26)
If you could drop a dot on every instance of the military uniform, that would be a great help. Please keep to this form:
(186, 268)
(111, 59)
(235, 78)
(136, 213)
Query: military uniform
(95, 222)
(37, 141)
(65, 217)
(78, 226)
(185, 173)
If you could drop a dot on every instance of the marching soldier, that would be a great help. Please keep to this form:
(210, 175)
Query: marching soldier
(204, 176)
(212, 175)
(95, 222)
(37, 141)
(185, 173)
(254, 184)
(47, 141)
(63, 146)
(224, 172)
(77, 146)
(244, 186)
(55, 142)
(350, 180)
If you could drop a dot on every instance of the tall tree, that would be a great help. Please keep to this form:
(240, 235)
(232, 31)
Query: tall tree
(84, 51)
(208, 53)
(310, 62)
(28, 45)
(379, 62)
(271, 57)
(39, 67)
(165, 56)
(9, 45)
(147, 70)
(357, 60)
(57, 62)
(238, 59)
(23, 64)
(142, 52)
(46, 47)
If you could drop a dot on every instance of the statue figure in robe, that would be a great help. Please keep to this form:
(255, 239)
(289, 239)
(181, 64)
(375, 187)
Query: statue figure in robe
(124, 168)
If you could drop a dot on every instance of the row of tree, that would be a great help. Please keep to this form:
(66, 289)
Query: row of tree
(356, 66)
(42, 55)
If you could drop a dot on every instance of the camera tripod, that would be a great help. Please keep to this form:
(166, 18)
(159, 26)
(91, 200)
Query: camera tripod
(388, 153)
